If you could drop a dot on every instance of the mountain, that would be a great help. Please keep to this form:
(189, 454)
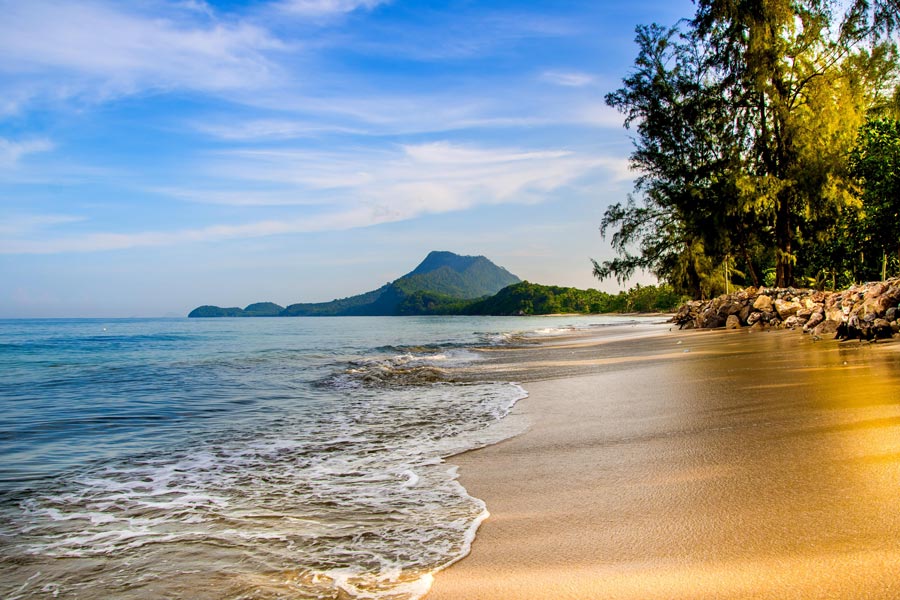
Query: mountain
(442, 279)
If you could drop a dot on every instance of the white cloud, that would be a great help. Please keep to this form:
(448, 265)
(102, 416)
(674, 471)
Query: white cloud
(452, 154)
(91, 48)
(119, 241)
(568, 79)
(11, 152)
(267, 129)
(599, 115)
(319, 8)
(356, 188)
(19, 225)
(244, 197)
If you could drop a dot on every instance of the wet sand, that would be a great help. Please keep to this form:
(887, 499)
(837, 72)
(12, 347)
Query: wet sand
(754, 465)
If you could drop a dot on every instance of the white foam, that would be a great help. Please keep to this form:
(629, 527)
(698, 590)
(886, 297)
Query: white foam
(363, 488)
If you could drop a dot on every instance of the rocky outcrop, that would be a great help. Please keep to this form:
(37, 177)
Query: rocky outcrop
(867, 311)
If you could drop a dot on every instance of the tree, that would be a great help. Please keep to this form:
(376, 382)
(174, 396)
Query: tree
(875, 161)
(744, 118)
(687, 152)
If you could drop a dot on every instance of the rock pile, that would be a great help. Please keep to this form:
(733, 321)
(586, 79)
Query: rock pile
(867, 311)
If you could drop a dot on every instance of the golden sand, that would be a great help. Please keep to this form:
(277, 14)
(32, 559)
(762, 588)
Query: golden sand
(754, 465)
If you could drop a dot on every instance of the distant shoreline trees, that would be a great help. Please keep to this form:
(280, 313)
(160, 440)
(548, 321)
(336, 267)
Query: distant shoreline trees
(748, 118)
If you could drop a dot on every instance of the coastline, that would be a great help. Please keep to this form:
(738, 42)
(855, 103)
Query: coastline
(703, 464)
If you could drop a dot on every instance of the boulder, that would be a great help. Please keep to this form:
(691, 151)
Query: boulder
(826, 327)
(732, 322)
(891, 314)
(787, 308)
(753, 318)
(763, 303)
(834, 313)
(793, 322)
(881, 329)
(876, 290)
(814, 320)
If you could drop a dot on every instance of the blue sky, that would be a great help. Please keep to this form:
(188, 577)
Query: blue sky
(158, 155)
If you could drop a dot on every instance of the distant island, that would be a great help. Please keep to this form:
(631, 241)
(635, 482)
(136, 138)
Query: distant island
(450, 284)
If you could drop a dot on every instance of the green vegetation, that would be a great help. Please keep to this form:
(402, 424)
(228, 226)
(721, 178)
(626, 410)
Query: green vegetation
(441, 284)
(215, 311)
(263, 309)
(766, 142)
(532, 299)
(449, 284)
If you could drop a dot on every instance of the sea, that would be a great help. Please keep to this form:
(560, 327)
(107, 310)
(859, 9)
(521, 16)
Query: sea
(246, 458)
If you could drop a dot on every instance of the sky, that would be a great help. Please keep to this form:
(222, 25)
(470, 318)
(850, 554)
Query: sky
(159, 155)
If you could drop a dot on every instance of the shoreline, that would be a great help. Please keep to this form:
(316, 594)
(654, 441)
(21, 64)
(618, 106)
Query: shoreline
(768, 468)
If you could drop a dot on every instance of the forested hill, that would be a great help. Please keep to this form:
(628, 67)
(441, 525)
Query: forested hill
(442, 278)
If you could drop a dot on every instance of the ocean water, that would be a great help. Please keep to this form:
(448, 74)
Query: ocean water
(244, 458)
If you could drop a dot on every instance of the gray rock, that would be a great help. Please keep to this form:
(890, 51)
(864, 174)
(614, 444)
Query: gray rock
(881, 329)
(826, 327)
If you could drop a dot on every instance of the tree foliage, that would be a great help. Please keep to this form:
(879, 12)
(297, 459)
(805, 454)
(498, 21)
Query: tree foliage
(744, 119)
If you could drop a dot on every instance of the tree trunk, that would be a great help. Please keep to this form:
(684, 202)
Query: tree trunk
(784, 265)
(753, 276)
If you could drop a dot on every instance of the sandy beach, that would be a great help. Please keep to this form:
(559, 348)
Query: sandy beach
(692, 465)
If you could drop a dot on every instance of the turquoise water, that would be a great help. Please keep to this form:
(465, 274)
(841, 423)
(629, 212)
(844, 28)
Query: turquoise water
(239, 458)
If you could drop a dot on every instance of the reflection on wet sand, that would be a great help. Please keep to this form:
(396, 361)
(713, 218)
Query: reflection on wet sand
(755, 465)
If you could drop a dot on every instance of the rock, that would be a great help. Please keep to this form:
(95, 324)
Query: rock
(834, 313)
(891, 314)
(881, 329)
(758, 326)
(753, 318)
(732, 322)
(713, 322)
(787, 308)
(876, 290)
(763, 303)
(814, 320)
(826, 327)
(804, 314)
(793, 322)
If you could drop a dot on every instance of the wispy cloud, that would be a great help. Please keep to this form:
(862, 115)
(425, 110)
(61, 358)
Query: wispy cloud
(21, 225)
(243, 197)
(268, 129)
(598, 115)
(11, 152)
(356, 188)
(97, 242)
(568, 79)
(319, 8)
(93, 48)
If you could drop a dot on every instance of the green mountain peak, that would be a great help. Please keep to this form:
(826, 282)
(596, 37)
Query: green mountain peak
(442, 277)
